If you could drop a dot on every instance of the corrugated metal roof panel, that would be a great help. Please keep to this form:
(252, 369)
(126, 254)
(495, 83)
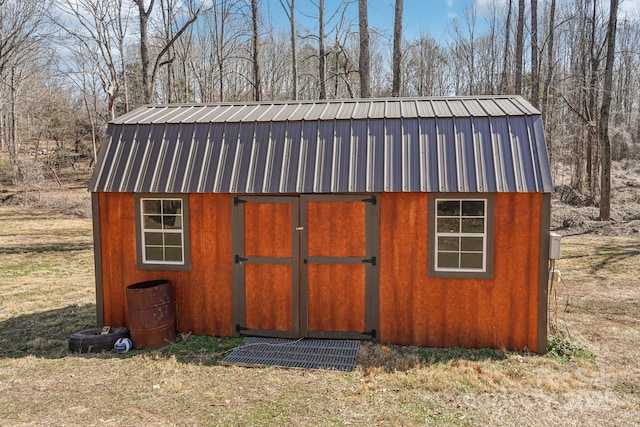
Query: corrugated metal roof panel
(300, 112)
(512, 109)
(424, 108)
(441, 108)
(457, 108)
(491, 107)
(392, 110)
(361, 110)
(377, 110)
(331, 110)
(409, 108)
(426, 145)
(213, 113)
(473, 108)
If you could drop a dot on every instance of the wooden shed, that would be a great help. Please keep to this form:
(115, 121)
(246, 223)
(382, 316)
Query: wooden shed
(405, 221)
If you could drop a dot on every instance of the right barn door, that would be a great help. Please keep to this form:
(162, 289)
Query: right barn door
(339, 286)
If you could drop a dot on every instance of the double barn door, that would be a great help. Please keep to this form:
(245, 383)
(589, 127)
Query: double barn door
(306, 266)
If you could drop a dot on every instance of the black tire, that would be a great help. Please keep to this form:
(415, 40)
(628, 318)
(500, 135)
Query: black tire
(94, 341)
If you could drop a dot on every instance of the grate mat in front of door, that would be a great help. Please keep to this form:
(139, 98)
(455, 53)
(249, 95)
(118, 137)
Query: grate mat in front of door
(306, 353)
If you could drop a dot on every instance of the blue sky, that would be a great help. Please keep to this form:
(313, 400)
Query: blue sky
(432, 17)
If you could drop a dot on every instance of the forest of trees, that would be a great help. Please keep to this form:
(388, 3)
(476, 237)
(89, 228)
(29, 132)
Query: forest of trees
(69, 66)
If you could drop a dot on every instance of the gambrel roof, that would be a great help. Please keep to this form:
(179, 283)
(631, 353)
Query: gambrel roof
(454, 144)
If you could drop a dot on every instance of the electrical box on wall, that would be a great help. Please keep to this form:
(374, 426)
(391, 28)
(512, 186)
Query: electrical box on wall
(554, 245)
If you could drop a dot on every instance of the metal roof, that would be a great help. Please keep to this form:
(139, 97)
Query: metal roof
(457, 144)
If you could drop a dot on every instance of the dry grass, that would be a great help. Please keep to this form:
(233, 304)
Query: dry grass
(47, 292)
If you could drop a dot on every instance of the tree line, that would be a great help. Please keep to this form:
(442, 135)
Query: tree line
(69, 66)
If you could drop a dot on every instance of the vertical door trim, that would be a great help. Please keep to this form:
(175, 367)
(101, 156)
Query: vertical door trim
(237, 247)
(372, 273)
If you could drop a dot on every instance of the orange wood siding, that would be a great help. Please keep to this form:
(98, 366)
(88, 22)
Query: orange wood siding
(269, 297)
(336, 229)
(438, 312)
(267, 230)
(203, 294)
(336, 297)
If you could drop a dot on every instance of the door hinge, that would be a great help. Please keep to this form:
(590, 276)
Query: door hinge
(371, 260)
(239, 259)
(237, 200)
(239, 328)
(373, 200)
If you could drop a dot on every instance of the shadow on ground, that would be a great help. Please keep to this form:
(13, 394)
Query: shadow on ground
(44, 334)
(51, 247)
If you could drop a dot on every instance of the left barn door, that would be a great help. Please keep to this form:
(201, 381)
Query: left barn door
(266, 266)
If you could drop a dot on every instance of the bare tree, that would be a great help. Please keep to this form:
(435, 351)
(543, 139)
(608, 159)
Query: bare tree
(504, 79)
(364, 63)
(592, 91)
(550, 39)
(397, 45)
(322, 55)
(603, 132)
(463, 53)
(255, 41)
(22, 33)
(426, 68)
(535, 74)
(149, 73)
(519, 47)
(99, 37)
(225, 35)
(289, 7)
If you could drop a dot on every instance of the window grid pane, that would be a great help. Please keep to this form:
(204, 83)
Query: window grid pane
(162, 231)
(460, 235)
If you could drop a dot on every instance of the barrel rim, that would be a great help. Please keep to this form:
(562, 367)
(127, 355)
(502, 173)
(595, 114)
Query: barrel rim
(148, 284)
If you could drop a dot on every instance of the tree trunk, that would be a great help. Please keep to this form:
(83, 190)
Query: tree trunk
(289, 7)
(257, 86)
(605, 184)
(322, 66)
(121, 36)
(144, 48)
(14, 140)
(550, 64)
(168, 35)
(504, 78)
(519, 47)
(149, 75)
(364, 65)
(397, 46)
(535, 75)
(592, 117)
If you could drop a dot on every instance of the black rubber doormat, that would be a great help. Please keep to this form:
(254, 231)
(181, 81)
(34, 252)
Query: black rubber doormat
(307, 353)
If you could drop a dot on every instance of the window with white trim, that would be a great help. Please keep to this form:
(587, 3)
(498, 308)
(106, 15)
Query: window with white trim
(460, 235)
(162, 231)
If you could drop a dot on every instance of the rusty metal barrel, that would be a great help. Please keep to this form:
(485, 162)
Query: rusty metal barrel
(151, 314)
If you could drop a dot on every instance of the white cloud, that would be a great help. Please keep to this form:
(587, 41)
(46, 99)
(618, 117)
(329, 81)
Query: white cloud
(449, 3)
